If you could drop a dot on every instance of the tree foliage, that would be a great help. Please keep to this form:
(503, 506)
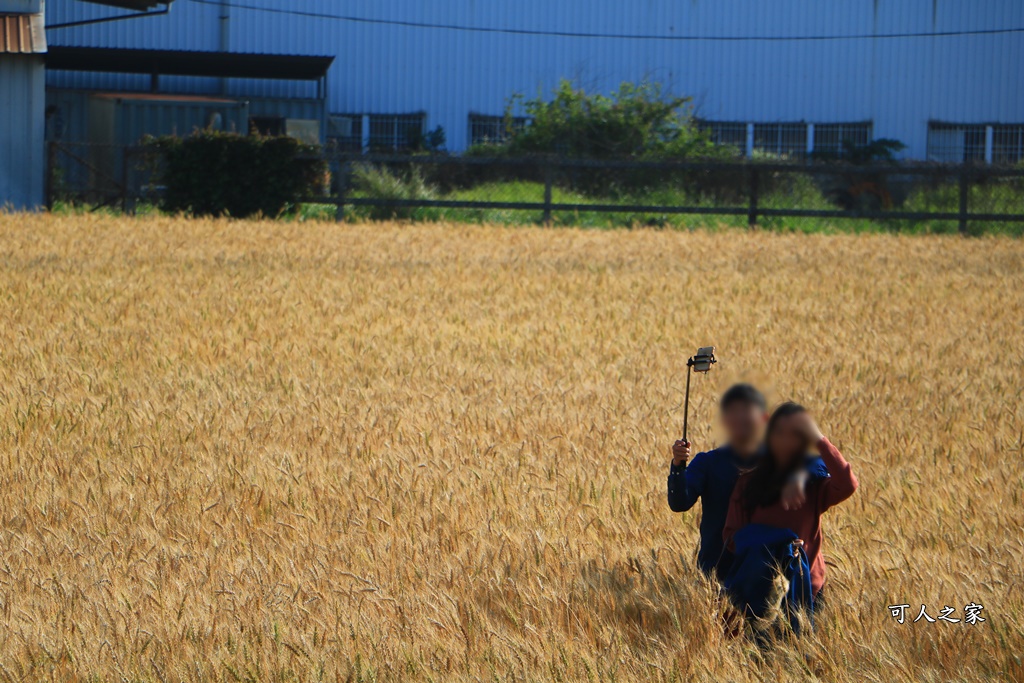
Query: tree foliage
(637, 121)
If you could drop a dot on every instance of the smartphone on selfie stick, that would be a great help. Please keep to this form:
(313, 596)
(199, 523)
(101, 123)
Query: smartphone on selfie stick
(701, 362)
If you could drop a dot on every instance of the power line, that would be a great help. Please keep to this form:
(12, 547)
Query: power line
(613, 36)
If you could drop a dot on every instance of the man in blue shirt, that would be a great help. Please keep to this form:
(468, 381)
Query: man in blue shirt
(712, 475)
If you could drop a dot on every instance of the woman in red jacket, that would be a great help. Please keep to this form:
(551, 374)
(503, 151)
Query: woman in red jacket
(756, 499)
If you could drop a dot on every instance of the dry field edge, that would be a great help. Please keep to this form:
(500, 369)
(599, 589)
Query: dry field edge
(267, 451)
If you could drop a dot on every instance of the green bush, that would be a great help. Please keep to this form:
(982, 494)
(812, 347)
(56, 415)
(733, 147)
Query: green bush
(377, 182)
(638, 121)
(212, 173)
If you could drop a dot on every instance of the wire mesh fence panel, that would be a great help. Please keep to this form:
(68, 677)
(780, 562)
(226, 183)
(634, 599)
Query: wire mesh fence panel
(729, 133)
(489, 130)
(143, 177)
(956, 143)
(99, 175)
(344, 133)
(781, 140)
(992, 195)
(1008, 144)
(395, 133)
(85, 173)
(833, 139)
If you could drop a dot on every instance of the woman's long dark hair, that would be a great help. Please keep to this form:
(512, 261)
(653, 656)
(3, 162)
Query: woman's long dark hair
(766, 479)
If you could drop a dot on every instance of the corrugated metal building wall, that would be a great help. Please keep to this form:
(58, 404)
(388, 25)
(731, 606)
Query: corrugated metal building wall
(22, 104)
(22, 99)
(899, 64)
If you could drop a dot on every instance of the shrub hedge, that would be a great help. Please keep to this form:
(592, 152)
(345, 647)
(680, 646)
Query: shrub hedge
(211, 173)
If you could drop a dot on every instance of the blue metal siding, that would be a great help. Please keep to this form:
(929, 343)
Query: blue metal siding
(898, 83)
(22, 112)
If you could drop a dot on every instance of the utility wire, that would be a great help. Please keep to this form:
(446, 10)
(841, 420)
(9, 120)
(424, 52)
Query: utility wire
(616, 36)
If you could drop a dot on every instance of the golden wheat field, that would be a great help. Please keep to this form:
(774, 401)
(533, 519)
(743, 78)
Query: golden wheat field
(270, 451)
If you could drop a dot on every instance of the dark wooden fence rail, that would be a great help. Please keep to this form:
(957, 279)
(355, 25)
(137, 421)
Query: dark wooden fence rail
(99, 187)
(963, 175)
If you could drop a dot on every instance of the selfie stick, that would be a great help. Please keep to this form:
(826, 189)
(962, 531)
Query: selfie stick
(686, 410)
(700, 363)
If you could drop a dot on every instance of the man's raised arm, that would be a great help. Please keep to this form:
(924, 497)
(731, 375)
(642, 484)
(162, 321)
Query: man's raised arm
(685, 483)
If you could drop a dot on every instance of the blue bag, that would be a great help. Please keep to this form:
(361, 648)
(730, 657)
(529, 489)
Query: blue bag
(761, 552)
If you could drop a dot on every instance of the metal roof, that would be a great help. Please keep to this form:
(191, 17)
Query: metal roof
(188, 63)
(138, 5)
(22, 34)
(160, 97)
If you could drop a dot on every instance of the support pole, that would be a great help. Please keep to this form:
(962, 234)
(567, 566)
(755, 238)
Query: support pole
(344, 171)
(125, 160)
(225, 37)
(547, 195)
(965, 187)
(51, 171)
(365, 142)
(752, 208)
(686, 408)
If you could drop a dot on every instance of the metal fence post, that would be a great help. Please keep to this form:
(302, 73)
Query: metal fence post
(339, 204)
(124, 180)
(51, 171)
(965, 187)
(547, 194)
(752, 208)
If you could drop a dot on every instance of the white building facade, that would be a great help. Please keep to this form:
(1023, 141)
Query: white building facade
(944, 77)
